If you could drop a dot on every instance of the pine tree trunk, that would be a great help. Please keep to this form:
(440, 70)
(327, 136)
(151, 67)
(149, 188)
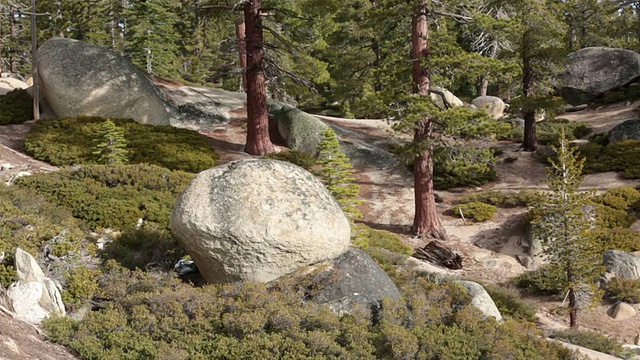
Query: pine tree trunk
(242, 52)
(426, 221)
(13, 34)
(484, 85)
(529, 141)
(573, 310)
(258, 141)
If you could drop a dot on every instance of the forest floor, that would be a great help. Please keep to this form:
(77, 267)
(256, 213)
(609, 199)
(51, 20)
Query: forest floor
(488, 249)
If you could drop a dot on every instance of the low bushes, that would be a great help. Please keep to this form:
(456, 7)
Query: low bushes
(16, 107)
(114, 196)
(502, 199)
(549, 131)
(70, 141)
(546, 280)
(296, 157)
(364, 237)
(591, 340)
(475, 210)
(626, 290)
(510, 304)
(621, 156)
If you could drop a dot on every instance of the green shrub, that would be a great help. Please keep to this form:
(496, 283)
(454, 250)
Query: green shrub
(510, 304)
(16, 107)
(296, 157)
(70, 141)
(591, 340)
(618, 239)
(504, 199)
(546, 280)
(81, 285)
(608, 217)
(29, 222)
(364, 237)
(475, 210)
(155, 316)
(620, 198)
(618, 156)
(114, 196)
(549, 131)
(144, 248)
(626, 290)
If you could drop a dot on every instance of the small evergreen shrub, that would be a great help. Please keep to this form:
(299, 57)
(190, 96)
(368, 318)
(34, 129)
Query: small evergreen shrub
(70, 141)
(16, 107)
(336, 173)
(503, 199)
(364, 237)
(626, 290)
(591, 340)
(549, 131)
(618, 239)
(111, 147)
(31, 223)
(618, 156)
(510, 304)
(620, 198)
(149, 247)
(608, 217)
(114, 196)
(546, 280)
(296, 157)
(475, 210)
(81, 285)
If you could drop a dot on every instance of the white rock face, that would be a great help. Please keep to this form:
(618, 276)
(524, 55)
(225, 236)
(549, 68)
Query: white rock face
(24, 298)
(494, 106)
(258, 219)
(481, 299)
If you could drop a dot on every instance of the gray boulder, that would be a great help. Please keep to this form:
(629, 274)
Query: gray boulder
(258, 219)
(354, 279)
(592, 71)
(83, 79)
(492, 105)
(621, 264)
(481, 299)
(300, 130)
(451, 99)
(628, 130)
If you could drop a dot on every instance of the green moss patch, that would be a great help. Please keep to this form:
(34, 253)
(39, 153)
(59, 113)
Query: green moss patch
(72, 141)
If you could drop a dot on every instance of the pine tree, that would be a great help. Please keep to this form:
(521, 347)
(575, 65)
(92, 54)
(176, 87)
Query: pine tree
(564, 229)
(111, 146)
(336, 173)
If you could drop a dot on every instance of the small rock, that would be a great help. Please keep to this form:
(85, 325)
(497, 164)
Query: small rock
(6, 166)
(622, 311)
(636, 340)
(481, 299)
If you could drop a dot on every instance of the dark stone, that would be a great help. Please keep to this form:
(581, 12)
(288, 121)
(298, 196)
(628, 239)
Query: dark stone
(628, 130)
(355, 279)
(592, 71)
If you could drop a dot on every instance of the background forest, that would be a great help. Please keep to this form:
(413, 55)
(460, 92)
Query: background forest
(329, 53)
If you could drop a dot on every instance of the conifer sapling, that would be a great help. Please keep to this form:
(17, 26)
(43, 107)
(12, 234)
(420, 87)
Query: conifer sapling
(336, 173)
(111, 146)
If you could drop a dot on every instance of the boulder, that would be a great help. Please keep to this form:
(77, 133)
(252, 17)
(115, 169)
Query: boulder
(622, 311)
(592, 71)
(621, 264)
(627, 130)
(203, 108)
(258, 219)
(481, 299)
(301, 131)
(24, 298)
(353, 279)
(492, 105)
(83, 79)
(30, 272)
(451, 99)
(8, 84)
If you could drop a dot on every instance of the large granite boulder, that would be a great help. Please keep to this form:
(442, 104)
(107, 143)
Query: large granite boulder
(8, 84)
(83, 79)
(301, 131)
(451, 99)
(353, 279)
(481, 299)
(258, 219)
(592, 71)
(628, 130)
(492, 105)
(621, 264)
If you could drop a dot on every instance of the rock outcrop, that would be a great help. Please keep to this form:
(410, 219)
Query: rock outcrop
(628, 130)
(451, 99)
(621, 264)
(622, 311)
(592, 71)
(481, 299)
(8, 84)
(354, 279)
(83, 79)
(203, 108)
(258, 219)
(300, 130)
(34, 296)
(492, 105)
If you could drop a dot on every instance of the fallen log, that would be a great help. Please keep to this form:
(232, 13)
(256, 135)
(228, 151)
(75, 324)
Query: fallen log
(436, 253)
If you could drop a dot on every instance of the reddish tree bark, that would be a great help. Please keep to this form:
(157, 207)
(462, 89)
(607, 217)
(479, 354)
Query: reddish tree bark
(426, 221)
(242, 51)
(529, 142)
(258, 141)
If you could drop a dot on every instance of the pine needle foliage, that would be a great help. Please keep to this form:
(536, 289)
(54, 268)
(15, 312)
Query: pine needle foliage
(565, 229)
(336, 173)
(111, 146)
